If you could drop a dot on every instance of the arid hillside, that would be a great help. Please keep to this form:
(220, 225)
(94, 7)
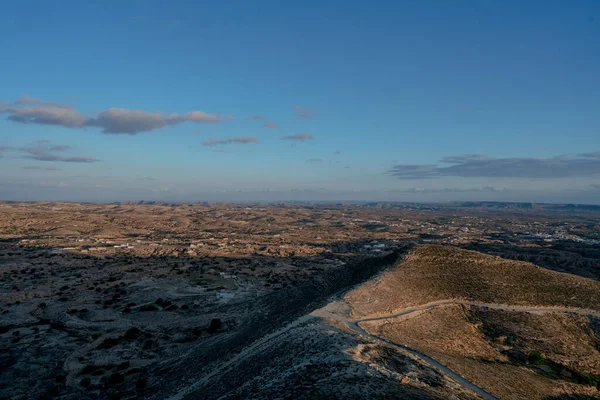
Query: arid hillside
(514, 330)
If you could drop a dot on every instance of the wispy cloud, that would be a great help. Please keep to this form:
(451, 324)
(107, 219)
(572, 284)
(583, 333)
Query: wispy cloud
(590, 155)
(479, 166)
(26, 99)
(453, 190)
(267, 123)
(406, 171)
(337, 153)
(301, 137)
(303, 112)
(36, 168)
(28, 110)
(463, 159)
(240, 140)
(43, 150)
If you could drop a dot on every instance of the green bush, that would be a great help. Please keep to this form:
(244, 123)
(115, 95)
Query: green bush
(589, 380)
(535, 358)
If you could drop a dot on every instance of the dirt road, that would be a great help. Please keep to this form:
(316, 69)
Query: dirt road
(332, 311)
(337, 309)
(493, 306)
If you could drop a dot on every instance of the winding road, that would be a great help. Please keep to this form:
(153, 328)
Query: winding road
(427, 360)
(492, 306)
(354, 325)
(334, 311)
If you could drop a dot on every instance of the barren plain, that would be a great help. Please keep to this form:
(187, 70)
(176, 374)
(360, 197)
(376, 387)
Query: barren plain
(191, 301)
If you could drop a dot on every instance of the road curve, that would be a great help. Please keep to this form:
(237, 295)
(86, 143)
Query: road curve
(493, 306)
(354, 325)
(428, 360)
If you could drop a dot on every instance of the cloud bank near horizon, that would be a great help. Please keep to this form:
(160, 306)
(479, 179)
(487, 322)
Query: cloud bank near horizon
(481, 166)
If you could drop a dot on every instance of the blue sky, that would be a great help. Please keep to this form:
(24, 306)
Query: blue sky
(236, 100)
